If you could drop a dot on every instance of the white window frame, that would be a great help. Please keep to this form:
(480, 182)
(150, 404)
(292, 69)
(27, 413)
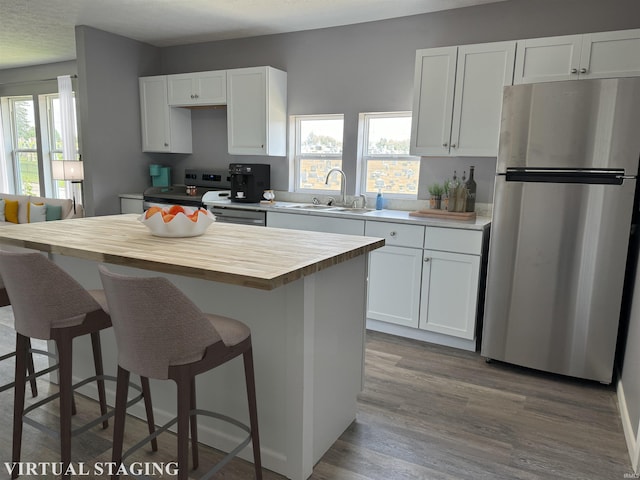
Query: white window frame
(364, 157)
(45, 148)
(297, 154)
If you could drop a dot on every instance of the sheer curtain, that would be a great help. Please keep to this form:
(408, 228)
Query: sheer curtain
(67, 127)
(4, 180)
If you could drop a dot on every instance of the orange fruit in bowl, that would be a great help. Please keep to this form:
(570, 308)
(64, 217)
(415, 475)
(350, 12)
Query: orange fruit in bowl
(167, 217)
(176, 209)
(152, 211)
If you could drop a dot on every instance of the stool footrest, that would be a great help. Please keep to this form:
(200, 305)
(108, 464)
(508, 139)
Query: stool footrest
(207, 413)
(83, 428)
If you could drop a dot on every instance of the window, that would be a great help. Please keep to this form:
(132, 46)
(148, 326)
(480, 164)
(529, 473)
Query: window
(24, 153)
(30, 145)
(318, 149)
(386, 164)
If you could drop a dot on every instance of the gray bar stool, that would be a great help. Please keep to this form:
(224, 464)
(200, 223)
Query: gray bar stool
(162, 334)
(48, 304)
(4, 302)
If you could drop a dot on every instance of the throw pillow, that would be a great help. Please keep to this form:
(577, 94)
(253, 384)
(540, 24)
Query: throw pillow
(54, 212)
(11, 210)
(36, 212)
(2, 210)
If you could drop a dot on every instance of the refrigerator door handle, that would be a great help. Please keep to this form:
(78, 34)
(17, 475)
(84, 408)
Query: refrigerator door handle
(595, 176)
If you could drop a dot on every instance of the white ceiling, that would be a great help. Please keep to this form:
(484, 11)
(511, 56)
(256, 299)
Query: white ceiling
(34, 32)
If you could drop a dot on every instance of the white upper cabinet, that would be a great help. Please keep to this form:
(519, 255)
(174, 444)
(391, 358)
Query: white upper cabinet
(482, 72)
(575, 57)
(198, 88)
(257, 111)
(164, 129)
(458, 99)
(611, 54)
(433, 87)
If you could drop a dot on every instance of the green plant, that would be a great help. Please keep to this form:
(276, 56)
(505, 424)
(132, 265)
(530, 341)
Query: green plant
(445, 187)
(436, 190)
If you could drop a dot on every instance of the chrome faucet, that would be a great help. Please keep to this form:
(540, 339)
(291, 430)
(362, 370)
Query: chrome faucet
(343, 184)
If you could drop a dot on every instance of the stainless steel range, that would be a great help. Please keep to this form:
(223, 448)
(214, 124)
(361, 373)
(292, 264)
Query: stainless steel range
(197, 182)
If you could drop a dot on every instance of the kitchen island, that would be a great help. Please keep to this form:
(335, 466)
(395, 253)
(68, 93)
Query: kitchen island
(303, 295)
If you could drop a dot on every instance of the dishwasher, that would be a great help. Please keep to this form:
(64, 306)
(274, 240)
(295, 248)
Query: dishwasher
(243, 216)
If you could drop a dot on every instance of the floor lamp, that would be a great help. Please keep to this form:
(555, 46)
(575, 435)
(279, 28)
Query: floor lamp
(68, 170)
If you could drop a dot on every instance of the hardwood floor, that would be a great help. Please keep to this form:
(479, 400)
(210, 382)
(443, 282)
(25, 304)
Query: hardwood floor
(427, 412)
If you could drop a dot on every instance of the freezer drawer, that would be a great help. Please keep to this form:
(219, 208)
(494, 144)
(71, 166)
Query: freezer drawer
(556, 270)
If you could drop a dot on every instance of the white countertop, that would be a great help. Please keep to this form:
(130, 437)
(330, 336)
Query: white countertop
(397, 216)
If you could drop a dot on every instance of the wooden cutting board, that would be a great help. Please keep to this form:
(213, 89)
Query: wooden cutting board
(445, 215)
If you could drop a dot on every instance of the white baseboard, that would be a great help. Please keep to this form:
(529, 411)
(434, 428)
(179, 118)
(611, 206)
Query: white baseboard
(633, 440)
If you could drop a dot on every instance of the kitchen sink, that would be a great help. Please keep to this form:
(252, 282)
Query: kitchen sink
(353, 210)
(313, 207)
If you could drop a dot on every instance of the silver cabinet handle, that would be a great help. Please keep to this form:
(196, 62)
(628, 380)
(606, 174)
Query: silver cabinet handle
(166, 144)
(445, 144)
(426, 259)
(392, 234)
(583, 70)
(574, 70)
(191, 95)
(453, 145)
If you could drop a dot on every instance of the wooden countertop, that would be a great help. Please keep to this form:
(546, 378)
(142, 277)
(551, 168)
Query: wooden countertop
(250, 256)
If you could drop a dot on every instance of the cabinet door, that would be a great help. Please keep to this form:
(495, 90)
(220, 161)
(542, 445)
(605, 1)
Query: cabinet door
(199, 88)
(164, 129)
(211, 87)
(434, 82)
(547, 59)
(180, 90)
(482, 72)
(449, 295)
(393, 293)
(610, 54)
(247, 111)
(154, 114)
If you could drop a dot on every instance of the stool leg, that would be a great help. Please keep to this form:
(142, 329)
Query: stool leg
(32, 371)
(97, 360)
(22, 344)
(122, 389)
(184, 394)
(146, 393)
(253, 410)
(194, 426)
(65, 350)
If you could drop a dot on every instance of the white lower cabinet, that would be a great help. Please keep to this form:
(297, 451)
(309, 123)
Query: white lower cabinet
(423, 284)
(449, 298)
(394, 285)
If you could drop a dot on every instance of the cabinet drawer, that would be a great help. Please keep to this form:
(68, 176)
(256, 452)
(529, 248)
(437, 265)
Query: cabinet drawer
(396, 233)
(453, 240)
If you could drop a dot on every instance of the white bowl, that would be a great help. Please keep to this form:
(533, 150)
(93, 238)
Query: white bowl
(180, 225)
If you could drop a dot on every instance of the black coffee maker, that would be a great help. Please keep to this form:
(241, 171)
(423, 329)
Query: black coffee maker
(249, 181)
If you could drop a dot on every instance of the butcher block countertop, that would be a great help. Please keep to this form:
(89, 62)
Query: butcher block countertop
(250, 256)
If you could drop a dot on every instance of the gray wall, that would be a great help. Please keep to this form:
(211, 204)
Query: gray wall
(109, 106)
(369, 68)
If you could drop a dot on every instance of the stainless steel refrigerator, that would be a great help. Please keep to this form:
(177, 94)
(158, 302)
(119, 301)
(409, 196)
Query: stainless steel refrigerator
(563, 209)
